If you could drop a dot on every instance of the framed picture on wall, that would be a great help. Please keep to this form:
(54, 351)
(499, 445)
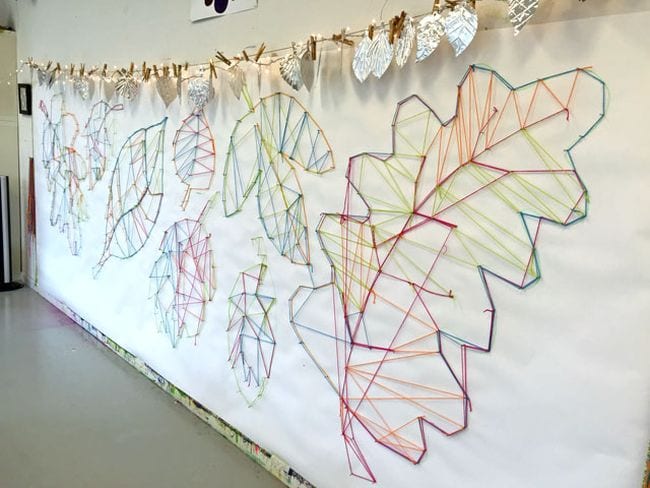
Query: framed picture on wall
(25, 98)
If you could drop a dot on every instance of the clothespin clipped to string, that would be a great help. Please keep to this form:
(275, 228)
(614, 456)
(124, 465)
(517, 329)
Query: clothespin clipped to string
(213, 70)
(311, 45)
(223, 58)
(260, 51)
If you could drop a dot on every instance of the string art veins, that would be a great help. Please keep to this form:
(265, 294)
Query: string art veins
(194, 154)
(135, 194)
(98, 134)
(65, 170)
(266, 146)
(422, 229)
(250, 337)
(183, 278)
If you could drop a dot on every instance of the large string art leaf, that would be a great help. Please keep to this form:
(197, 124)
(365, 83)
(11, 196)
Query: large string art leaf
(250, 337)
(183, 278)
(422, 229)
(65, 169)
(135, 193)
(194, 154)
(266, 146)
(98, 134)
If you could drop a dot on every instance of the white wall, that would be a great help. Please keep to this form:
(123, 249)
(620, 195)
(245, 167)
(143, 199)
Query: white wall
(563, 398)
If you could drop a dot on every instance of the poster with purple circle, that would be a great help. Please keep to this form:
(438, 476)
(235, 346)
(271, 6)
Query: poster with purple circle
(205, 9)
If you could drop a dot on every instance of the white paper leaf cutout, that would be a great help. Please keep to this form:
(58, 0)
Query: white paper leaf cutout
(236, 80)
(404, 44)
(166, 88)
(520, 12)
(109, 89)
(290, 70)
(307, 70)
(461, 25)
(380, 54)
(361, 61)
(430, 30)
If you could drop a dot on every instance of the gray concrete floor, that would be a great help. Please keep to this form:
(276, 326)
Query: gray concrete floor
(72, 414)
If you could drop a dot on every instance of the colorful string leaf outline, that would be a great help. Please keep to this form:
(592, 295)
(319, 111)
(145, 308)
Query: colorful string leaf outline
(98, 134)
(135, 193)
(194, 154)
(183, 278)
(267, 144)
(251, 342)
(65, 170)
(421, 230)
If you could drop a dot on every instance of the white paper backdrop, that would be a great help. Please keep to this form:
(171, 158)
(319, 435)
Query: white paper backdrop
(562, 400)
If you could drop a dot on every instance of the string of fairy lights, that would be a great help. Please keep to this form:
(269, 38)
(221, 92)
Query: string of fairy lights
(376, 47)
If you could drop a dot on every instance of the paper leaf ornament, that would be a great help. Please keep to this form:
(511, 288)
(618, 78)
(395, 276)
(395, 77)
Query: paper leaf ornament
(200, 92)
(307, 70)
(135, 194)
(83, 87)
(290, 70)
(404, 44)
(461, 25)
(380, 53)
(126, 85)
(361, 64)
(166, 88)
(236, 80)
(431, 28)
(520, 12)
(109, 89)
(45, 77)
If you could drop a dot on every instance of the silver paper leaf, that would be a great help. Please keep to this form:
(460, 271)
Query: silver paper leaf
(200, 92)
(166, 88)
(126, 86)
(290, 70)
(461, 25)
(520, 12)
(307, 69)
(109, 89)
(380, 53)
(45, 77)
(431, 28)
(236, 80)
(361, 61)
(404, 44)
(84, 87)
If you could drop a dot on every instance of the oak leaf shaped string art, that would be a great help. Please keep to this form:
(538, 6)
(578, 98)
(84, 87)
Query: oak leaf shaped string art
(135, 194)
(183, 278)
(65, 170)
(251, 342)
(266, 146)
(421, 230)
